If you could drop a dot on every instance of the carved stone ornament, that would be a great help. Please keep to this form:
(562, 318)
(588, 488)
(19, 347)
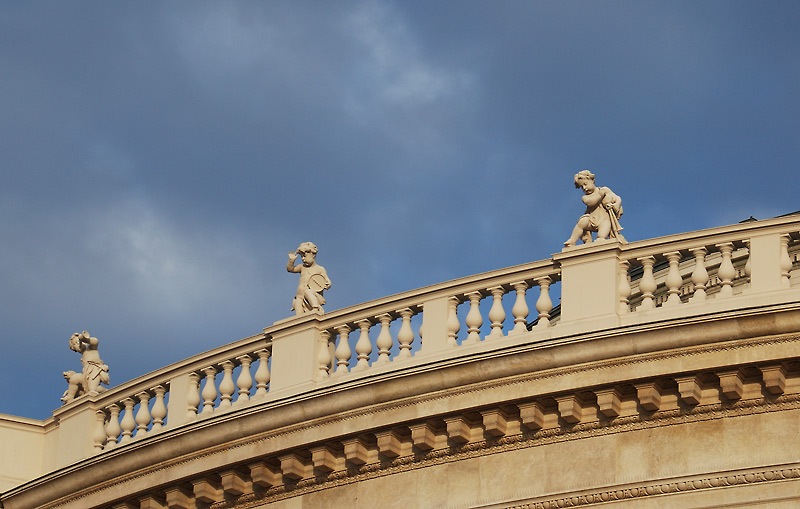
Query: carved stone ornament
(603, 210)
(93, 373)
(313, 279)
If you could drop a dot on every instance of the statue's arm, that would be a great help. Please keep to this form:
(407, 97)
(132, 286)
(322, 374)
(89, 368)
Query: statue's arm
(616, 201)
(327, 279)
(290, 266)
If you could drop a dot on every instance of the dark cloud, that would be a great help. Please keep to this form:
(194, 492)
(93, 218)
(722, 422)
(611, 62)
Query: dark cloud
(160, 160)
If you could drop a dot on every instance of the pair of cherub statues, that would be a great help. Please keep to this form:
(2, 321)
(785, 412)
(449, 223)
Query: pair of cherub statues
(603, 210)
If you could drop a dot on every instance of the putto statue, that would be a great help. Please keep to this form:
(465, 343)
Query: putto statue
(603, 210)
(94, 371)
(313, 279)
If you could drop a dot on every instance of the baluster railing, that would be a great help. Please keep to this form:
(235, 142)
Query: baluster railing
(674, 279)
(128, 423)
(726, 271)
(520, 309)
(544, 304)
(363, 345)
(262, 373)
(209, 393)
(453, 323)
(786, 262)
(699, 274)
(384, 341)
(497, 314)
(226, 386)
(405, 336)
(624, 288)
(159, 411)
(647, 285)
(142, 417)
(343, 350)
(193, 395)
(245, 381)
(113, 429)
(474, 318)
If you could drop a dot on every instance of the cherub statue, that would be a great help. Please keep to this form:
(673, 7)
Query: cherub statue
(94, 372)
(603, 210)
(313, 279)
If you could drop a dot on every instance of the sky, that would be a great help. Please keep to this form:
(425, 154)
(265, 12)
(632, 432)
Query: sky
(160, 159)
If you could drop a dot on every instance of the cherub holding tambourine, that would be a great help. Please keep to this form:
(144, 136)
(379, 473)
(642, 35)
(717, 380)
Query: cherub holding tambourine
(313, 279)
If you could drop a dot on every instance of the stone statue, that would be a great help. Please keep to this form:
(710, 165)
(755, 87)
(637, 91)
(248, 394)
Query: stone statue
(313, 279)
(603, 210)
(94, 371)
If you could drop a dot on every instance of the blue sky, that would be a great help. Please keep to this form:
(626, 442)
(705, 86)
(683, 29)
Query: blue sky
(160, 159)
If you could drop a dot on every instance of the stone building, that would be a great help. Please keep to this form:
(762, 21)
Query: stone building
(668, 376)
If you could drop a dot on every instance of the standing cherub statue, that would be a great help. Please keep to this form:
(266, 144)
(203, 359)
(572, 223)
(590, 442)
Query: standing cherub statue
(313, 279)
(603, 210)
(94, 372)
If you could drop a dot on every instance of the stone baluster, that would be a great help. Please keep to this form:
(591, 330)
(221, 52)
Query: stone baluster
(159, 411)
(405, 336)
(520, 309)
(363, 345)
(324, 354)
(748, 267)
(474, 318)
(245, 381)
(128, 424)
(497, 314)
(142, 417)
(726, 270)
(99, 437)
(343, 351)
(674, 279)
(647, 285)
(699, 274)
(785, 262)
(209, 393)
(544, 304)
(226, 386)
(193, 396)
(624, 288)
(453, 324)
(384, 340)
(113, 428)
(262, 373)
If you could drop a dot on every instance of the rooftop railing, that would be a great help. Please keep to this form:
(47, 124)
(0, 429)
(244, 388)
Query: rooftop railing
(603, 285)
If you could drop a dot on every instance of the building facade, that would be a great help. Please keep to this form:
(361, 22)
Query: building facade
(668, 376)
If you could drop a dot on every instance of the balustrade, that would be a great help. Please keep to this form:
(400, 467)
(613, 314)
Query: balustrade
(484, 309)
(383, 349)
(493, 298)
(694, 273)
(137, 414)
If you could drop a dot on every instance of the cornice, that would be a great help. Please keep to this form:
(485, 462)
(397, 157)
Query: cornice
(523, 439)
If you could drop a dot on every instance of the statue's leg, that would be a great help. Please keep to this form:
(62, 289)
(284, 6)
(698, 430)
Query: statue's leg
(311, 298)
(604, 230)
(579, 232)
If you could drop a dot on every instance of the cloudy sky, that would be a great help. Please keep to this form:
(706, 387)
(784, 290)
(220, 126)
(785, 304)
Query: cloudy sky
(159, 159)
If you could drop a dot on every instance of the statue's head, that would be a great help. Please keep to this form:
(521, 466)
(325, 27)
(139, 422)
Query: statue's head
(75, 342)
(584, 179)
(308, 250)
